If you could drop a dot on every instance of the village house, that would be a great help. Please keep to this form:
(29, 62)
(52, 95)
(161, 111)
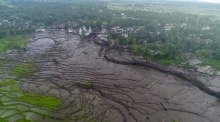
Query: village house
(206, 28)
(168, 27)
(183, 25)
(125, 35)
(70, 30)
(117, 29)
(84, 32)
(130, 29)
(40, 30)
(208, 41)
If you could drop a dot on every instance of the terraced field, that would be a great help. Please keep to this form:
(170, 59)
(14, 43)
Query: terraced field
(68, 79)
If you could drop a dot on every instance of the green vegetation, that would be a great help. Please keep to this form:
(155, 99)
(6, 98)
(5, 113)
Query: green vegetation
(152, 41)
(80, 117)
(171, 7)
(91, 120)
(214, 63)
(9, 91)
(165, 53)
(3, 120)
(218, 93)
(40, 100)
(11, 43)
(12, 97)
(167, 33)
(23, 120)
(7, 82)
(23, 70)
(166, 62)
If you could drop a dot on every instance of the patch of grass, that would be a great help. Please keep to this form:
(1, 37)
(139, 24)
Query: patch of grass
(9, 90)
(214, 63)
(23, 70)
(3, 120)
(218, 93)
(81, 117)
(23, 120)
(164, 8)
(7, 82)
(40, 100)
(12, 43)
(166, 62)
(91, 120)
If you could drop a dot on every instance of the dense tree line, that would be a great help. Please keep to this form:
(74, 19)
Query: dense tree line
(149, 38)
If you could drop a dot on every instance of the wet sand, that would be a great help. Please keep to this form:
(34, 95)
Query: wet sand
(94, 89)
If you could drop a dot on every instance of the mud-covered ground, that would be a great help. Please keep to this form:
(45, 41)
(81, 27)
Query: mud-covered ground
(94, 89)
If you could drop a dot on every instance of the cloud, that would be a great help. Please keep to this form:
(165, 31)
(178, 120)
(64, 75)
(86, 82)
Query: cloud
(212, 1)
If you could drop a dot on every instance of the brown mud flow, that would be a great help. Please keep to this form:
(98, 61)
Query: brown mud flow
(92, 89)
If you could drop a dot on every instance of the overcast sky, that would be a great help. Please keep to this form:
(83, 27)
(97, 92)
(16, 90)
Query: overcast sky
(213, 1)
(210, 1)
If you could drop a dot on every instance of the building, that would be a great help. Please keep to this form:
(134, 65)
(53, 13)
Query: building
(206, 28)
(125, 35)
(40, 30)
(70, 31)
(183, 25)
(168, 27)
(207, 41)
(84, 32)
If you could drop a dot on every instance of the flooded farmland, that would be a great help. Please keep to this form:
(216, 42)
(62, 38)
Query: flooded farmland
(92, 88)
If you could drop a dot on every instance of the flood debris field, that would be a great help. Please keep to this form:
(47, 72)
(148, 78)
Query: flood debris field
(93, 89)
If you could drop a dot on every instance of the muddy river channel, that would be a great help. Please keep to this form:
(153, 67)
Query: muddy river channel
(93, 89)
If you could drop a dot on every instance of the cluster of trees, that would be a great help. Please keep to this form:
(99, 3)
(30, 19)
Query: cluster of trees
(151, 39)
(189, 35)
(27, 15)
(170, 48)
